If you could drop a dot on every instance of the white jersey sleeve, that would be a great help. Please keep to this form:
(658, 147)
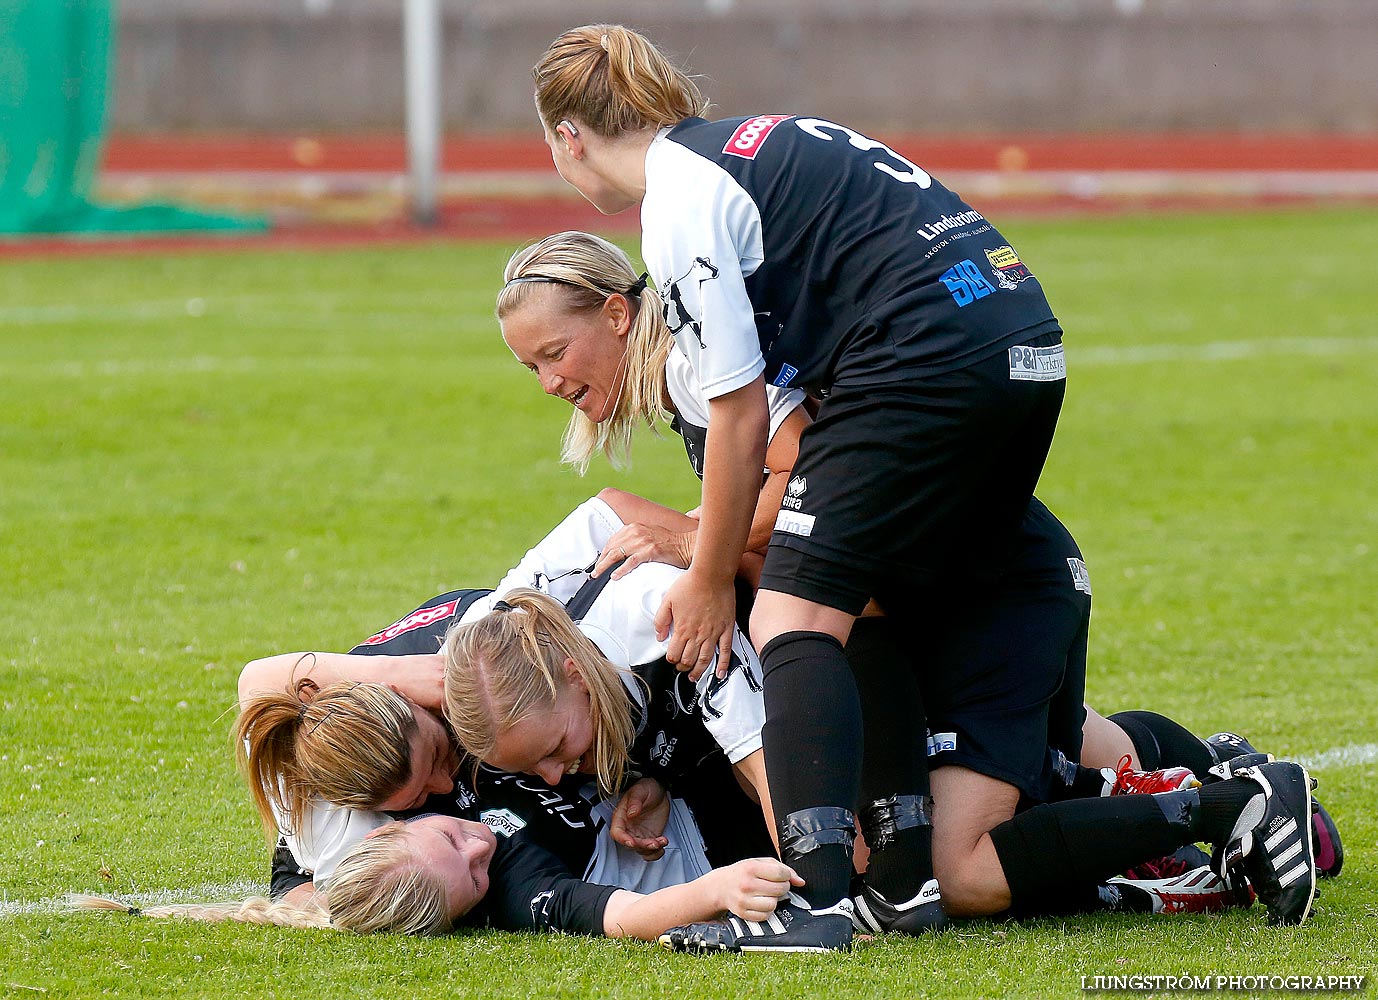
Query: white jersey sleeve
(686, 393)
(327, 834)
(621, 623)
(683, 861)
(700, 238)
(559, 563)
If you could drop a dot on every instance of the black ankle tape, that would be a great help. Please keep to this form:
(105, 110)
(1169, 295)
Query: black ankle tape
(809, 829)
(882, 819)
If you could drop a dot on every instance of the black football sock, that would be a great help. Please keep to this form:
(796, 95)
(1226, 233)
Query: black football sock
(1054, 855)
(813, 743)
(894, 763)
(1160, 742)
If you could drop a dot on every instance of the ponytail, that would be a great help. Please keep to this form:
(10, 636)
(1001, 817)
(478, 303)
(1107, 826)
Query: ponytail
(349, 744)
(614, 80)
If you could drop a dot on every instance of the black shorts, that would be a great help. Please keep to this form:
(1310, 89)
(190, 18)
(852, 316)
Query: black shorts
(1002, 663)
(924, 480)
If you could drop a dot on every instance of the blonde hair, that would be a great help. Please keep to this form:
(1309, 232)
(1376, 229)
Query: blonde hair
(378, 887)
(583, 271)
(254, 910)
(348, 743)
(509, 666)
(613, 80)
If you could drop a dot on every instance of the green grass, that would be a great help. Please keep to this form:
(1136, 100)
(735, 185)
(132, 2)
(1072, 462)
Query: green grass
(209, 457)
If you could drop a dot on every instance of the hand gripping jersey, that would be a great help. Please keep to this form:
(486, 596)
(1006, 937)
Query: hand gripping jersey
(800, 248)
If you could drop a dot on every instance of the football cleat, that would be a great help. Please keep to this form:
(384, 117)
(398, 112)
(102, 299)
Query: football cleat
(1124, 780)
(792, 928)
(1230, 749)
(1271, 843)
(1223, 746)
(1198, 890)
(1183, 860)
(1226, 769)
(872, 913)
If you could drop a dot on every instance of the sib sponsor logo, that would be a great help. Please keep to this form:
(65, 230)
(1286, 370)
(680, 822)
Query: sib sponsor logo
(746, 141)
(417, 619)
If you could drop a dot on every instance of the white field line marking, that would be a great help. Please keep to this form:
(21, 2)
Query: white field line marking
(1220, 350)
(207, 893)
(1353, 755)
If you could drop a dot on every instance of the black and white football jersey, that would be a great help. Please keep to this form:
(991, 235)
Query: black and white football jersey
(801, 249)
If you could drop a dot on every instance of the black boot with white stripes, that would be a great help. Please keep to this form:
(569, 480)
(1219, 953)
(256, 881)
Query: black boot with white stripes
(792, 928)
(1271, 842)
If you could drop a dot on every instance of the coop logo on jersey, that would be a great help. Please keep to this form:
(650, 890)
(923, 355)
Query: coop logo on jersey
(1038, 364)
(786, 376)
(503, 821)
(794, 493)
(417, 619)
(1081, 576)
(746, 141)
(1009, 269)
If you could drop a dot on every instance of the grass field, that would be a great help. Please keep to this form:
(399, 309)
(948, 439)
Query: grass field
(206, 458)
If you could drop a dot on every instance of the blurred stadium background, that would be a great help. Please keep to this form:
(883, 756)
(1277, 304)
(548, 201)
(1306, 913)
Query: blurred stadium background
(298, 109)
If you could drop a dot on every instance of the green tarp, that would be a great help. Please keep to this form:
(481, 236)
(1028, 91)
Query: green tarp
(55, 72)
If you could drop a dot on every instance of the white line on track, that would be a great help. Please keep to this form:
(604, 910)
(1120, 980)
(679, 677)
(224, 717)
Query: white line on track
(1220, 350)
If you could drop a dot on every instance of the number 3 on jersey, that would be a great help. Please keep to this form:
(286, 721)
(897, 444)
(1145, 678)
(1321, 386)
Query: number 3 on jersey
(966, 283)
(910, 173)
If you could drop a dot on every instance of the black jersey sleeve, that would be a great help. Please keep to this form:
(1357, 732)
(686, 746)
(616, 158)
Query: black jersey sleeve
(287, 872)
(423, 630)
(532, 890)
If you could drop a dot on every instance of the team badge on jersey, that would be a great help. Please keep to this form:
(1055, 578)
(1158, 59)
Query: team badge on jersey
(503, 821)
(677, 315)
(746, 141)
(1009, 269)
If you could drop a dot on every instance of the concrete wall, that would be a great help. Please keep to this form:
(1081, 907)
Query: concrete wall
(922, 65)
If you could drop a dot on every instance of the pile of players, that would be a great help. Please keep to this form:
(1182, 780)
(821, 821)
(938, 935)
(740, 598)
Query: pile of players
(674, 726)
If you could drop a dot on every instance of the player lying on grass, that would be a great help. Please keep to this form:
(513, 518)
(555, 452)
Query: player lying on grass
(568, 711)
